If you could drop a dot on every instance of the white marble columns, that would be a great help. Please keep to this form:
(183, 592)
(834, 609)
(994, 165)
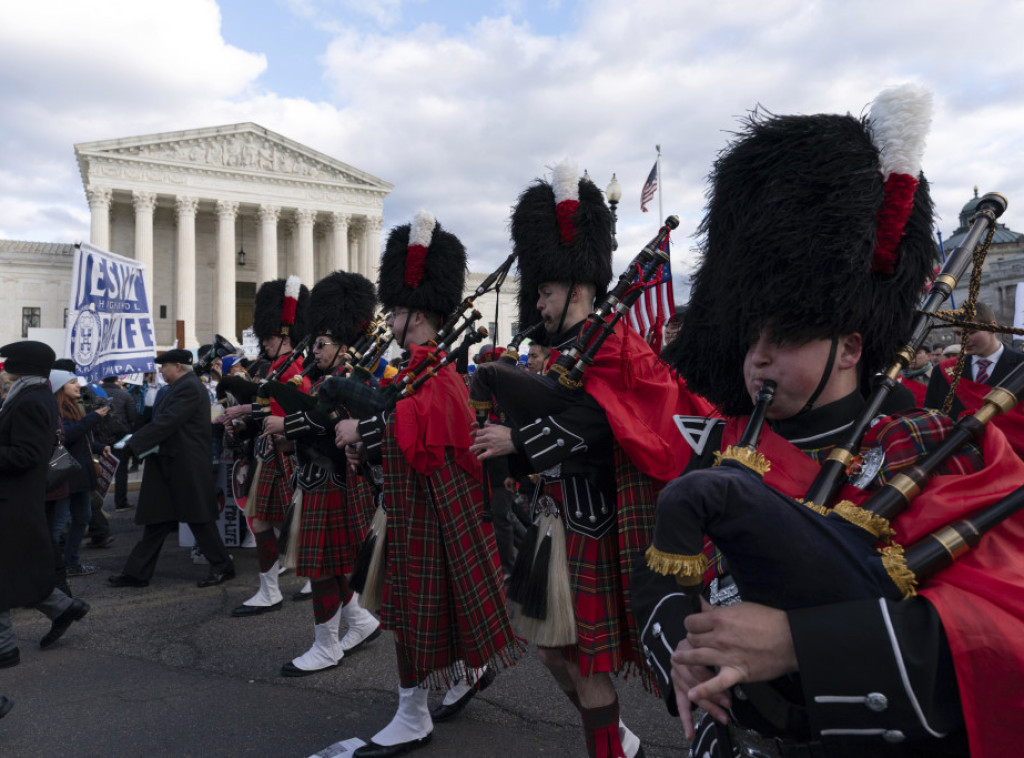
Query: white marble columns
(224, 318)
(267, 266)
(99, 208)
(185, 280)
(304, 248)
(144, 203)
(339, 241)
(373, 227)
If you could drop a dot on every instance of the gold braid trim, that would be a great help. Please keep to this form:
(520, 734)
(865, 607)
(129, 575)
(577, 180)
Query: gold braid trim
(480, 405)
(687, 569)
(895, 564)
(871, 522)
(752, 459)
(819, 509)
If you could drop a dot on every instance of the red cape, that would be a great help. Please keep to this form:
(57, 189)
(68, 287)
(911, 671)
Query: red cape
(436, 417)
(641, 394)
(972, 395)
(917, 388)
(980, 598)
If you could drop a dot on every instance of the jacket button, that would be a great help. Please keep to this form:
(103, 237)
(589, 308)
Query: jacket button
(876, 702)
(546, 430)
(893, 735)
(656, 629)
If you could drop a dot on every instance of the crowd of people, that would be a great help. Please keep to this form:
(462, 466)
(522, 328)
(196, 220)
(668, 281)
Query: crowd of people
(646, 519)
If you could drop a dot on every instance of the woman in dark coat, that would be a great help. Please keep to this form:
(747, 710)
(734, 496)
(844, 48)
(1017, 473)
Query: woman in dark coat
(76, 505)
(28, 427)
(177, 482)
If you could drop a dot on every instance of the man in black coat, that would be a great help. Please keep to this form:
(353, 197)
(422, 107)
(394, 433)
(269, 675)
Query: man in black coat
(28, 428)
(177, 483)
(122, 406)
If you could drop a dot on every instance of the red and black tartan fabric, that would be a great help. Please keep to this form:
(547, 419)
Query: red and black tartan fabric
(444, 597)
(599, 570)
(274, 488)
(333, 523)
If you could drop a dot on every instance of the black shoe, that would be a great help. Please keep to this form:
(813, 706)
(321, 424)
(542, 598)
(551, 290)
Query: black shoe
(290, 669)
(10, 658)
(300, 595)
(218, 577)
(5, 706)
(105, 542)
(76, 612)
(124, 580)
(444, 712)
(373, 750)
(255, 610)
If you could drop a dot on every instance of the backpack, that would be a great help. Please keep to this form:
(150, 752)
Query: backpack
(111, 428)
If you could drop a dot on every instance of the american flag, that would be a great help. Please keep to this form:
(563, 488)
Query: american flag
(650, 187)
(655, 306)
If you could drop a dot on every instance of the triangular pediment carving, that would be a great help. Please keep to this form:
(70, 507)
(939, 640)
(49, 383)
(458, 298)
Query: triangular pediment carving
(243, 148)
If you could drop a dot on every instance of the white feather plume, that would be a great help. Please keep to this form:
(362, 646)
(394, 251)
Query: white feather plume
(421, 231)
(565, 182)
(292, 287)
(899, 123)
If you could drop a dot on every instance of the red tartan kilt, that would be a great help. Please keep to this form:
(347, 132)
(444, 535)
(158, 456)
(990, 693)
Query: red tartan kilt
(602, 628)
(274, 490)
(331, 531)
(607, 638)
(444, 597)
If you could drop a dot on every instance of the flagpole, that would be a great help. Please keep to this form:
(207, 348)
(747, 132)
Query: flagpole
(661, 209)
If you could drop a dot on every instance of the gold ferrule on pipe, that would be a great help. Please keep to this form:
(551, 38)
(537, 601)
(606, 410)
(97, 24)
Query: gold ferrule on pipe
(845, 457)
(951, 540)
(946, 279)
(906, 486)
(1003, 399)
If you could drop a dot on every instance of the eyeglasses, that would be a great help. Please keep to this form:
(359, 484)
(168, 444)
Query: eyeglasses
(321, 344)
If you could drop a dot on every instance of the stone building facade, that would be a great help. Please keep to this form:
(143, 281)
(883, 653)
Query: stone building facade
(188, 204)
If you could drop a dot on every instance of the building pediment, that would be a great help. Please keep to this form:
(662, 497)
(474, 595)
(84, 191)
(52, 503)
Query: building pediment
(241, 149)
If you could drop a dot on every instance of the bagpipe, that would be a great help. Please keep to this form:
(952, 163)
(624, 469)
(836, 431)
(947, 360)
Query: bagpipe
(358, 361)
(258, 392)
(349, 390)
(524, 395)
(789, 553)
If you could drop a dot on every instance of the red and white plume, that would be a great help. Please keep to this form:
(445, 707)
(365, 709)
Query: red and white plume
(565, 183)
(292, 287)
(421, 232)
(898, 124)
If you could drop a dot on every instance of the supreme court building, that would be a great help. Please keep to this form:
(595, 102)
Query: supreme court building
(214, 212)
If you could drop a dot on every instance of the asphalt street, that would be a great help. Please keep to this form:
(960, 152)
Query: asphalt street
(165, 671)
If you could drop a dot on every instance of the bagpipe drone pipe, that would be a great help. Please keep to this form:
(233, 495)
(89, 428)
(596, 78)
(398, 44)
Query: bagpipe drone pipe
(990, 207)
(788, 553)
(524, 395)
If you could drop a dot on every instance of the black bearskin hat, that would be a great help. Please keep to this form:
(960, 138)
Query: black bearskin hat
(816, 226)
(340, 305)
(423, 267)
(280, 308)
(561, 232)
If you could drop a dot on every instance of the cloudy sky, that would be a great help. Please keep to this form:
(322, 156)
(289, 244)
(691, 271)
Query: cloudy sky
(462, 104)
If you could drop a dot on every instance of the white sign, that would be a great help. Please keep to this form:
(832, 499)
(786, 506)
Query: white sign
(250, 344)
(110, 328)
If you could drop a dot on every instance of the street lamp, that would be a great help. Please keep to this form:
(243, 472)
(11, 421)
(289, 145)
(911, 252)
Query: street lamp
(614, 193)
(241, 246)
